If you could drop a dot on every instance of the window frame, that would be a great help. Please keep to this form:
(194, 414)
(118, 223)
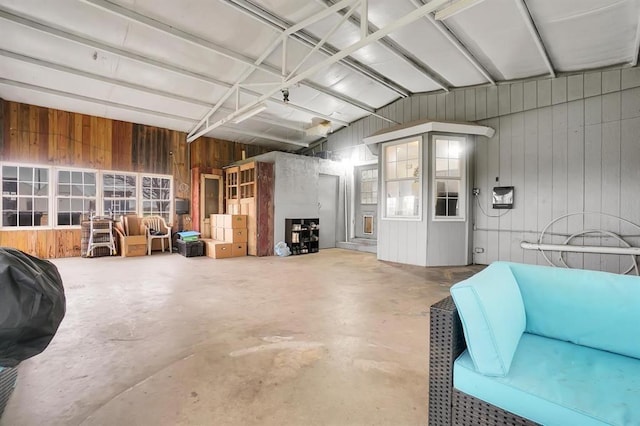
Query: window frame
(136, 175)
(54, 193)
(377, 186)
(421, 172)
(462, 194)
(49, 196)
(141, 199)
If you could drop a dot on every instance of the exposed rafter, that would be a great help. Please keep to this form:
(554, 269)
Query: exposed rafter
(57, 32)
(261, 15)
(94, 100)
(217, 49)
(263, 136)
(531, 26)
(204, 126)
(448, 34)
(396, 48)
(137, 87)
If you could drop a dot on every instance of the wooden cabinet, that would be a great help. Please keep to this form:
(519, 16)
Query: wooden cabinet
(302, 235)
(249, 190)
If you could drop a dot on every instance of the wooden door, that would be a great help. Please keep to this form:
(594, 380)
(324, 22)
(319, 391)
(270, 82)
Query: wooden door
(211, 201)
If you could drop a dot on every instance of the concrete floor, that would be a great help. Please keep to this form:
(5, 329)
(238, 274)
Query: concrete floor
(334, 338)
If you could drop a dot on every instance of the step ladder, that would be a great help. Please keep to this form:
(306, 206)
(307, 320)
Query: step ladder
(101, 235)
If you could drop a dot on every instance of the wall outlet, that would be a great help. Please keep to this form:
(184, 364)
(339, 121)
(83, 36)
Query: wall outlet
(478, 250)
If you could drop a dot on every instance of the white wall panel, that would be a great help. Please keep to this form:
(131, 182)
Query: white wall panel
(569, 144)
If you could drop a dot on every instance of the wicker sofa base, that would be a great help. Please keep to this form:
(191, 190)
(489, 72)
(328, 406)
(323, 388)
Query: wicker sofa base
(7, 382)
(447, 405)
(473, 411)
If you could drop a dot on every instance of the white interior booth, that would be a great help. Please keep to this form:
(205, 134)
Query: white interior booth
(425, 186)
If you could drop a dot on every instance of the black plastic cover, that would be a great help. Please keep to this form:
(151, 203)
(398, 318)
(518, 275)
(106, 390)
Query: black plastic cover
(32, 305)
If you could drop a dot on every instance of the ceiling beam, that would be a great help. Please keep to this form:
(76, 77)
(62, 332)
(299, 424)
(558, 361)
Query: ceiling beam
(190, 120)
(258, 13)
(30, 23)
(416, 14)
(531, 26)
(448, 34)
(263, 136)
(219, 50)
(396, 49)
(137, 87)
(103, 102)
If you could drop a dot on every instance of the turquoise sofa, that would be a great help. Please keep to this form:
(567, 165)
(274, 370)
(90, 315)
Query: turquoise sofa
(547, 345)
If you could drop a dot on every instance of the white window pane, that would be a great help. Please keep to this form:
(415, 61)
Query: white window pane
(41, 204)
(89, 178)
(441, 206)
(401, 152)
(412, 168)
(391, 171)
(413, 150)
(442, 167)
(76, 177)
(26, 174)
(41, 189)
(25, 188)
(442, 148)
(90, 190)
(41, 175)
(76, 205)
(390, 155)
(454, 149)
(64, 177)
(454, 168)
(393, 190)
(9, 172)
(64, 204)
(76, 190)
(401, 169)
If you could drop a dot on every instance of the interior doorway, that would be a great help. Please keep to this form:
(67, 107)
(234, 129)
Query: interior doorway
(211, 201)
(366, 201)
(328, 206)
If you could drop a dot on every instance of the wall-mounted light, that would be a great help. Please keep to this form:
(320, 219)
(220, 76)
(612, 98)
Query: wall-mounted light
(250, 113)
(455, 8)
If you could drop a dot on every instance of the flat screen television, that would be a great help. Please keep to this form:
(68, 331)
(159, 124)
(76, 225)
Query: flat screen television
(182, 206)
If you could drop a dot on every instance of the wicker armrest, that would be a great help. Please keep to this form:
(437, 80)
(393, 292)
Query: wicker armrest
(447, 343)
(449, 406)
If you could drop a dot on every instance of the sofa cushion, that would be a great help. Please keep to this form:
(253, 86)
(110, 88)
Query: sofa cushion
(595, 309)
(493, 317)
(553, 382)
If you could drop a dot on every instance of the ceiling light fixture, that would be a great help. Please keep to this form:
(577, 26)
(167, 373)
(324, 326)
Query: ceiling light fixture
(455, 8)
(249, 113)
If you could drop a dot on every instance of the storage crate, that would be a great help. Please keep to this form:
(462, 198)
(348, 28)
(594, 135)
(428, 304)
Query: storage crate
(190, 248)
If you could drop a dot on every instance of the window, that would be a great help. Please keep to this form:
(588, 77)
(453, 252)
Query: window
(402, 181)
(369, 186)
(34, 196)
(75, 196)
(25, 196)
(156, 196)
(448, 178)
(119, 194)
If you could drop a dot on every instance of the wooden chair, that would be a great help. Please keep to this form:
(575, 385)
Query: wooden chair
(156, 228)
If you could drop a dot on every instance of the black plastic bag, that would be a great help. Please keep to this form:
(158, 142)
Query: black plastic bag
(32, 305)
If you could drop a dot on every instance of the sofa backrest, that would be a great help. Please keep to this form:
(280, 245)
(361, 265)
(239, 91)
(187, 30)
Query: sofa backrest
(493, 317)
(596, 309)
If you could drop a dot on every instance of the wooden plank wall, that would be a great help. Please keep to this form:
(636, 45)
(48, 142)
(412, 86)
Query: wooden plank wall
(33, 134)
(569, 144)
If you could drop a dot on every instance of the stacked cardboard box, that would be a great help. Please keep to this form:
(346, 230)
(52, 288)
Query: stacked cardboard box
(229, 232)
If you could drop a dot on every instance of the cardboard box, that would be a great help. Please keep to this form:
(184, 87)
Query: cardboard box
(235, 235)
(217, 234)
(133, 245)
(234, 221)
(239, 249)
(217, 249)
(216, 220)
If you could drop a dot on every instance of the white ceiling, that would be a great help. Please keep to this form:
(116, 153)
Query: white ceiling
(166, 63)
